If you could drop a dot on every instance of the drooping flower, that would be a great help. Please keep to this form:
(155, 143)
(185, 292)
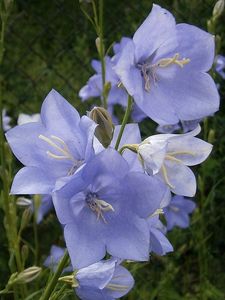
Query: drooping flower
(45, 206)
(93, 88)
(159, 244)
(25, 118)
(164, 69)
(168, 156)
(54, 147)
(177, 212)
(104, 207)
(5, 120)
(52, 261)
(185, 126)
(220, 65)
(117, 94)
(104, 280)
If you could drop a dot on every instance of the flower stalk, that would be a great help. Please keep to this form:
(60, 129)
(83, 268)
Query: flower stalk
(124, 122)
(53, 282)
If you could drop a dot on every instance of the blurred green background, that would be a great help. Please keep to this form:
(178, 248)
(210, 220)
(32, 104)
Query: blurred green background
(49, 44)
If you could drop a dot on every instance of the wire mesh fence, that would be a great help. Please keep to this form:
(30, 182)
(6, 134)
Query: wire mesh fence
(49, 44)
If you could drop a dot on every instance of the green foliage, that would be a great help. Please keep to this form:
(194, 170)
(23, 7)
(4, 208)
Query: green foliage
(49, 44)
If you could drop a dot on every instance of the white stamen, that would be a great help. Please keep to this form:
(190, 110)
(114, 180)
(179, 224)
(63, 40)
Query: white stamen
(165, 175)
(62, 147)
(117, 287)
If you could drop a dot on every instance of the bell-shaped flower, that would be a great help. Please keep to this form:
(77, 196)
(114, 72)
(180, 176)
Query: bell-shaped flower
(103, 208)
(177, 212)
(5, 120)
(164, 69)
(168, 156)
(220, 65)
(159, 244)
(185, 126)
(52, 261)
(94, 88)
(54, 147)
(104, 280)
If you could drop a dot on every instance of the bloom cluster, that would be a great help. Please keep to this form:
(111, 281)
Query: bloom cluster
(109, 187)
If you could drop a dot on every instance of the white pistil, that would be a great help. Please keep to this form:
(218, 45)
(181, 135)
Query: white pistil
(165, 175)
(174, 208)
(117, 287)
(181, 153)
(60, 147)
(99, 206)
(166, 62)
(149, 70)
(170, 157)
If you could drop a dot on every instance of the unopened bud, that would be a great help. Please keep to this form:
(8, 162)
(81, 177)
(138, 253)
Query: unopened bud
(70, 279)
(25, 218)
(218, 9)
(28, 275)
(211, 136)
(98, 43)
(24, 253)
(24, 202)
(105, 128)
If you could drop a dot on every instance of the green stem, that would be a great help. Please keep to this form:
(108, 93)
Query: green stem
(102, 50)
(124, 122)
(53, 282)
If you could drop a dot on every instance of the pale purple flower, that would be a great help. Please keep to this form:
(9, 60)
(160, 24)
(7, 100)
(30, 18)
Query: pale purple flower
(45, 206)
(168, 156)
(185, 126)
(104, 207)
(159, 244)
(25, 118)
(5, 120)
(104, 280)
(52, 261)
(164, 69)
(54, 147)
(220, 65)
(177, 212)
(93, 88)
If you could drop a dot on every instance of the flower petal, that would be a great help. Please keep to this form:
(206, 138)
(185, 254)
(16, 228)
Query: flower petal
(180, 177)
(32, 180)
(201, 52)
(155, 31)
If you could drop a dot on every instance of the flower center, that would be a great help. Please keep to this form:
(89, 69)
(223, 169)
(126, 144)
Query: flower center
(148, 70)
(62, 151)
(98, 206)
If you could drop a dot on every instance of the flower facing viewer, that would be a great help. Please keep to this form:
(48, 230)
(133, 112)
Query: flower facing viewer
(54, 147)
(166, 77)
(104, 207)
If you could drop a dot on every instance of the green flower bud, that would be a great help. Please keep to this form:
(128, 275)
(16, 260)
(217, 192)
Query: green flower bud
(105, 128)
(26, 216)
(218, 9)
(28, 275)
(25, 276)
(211, 136)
